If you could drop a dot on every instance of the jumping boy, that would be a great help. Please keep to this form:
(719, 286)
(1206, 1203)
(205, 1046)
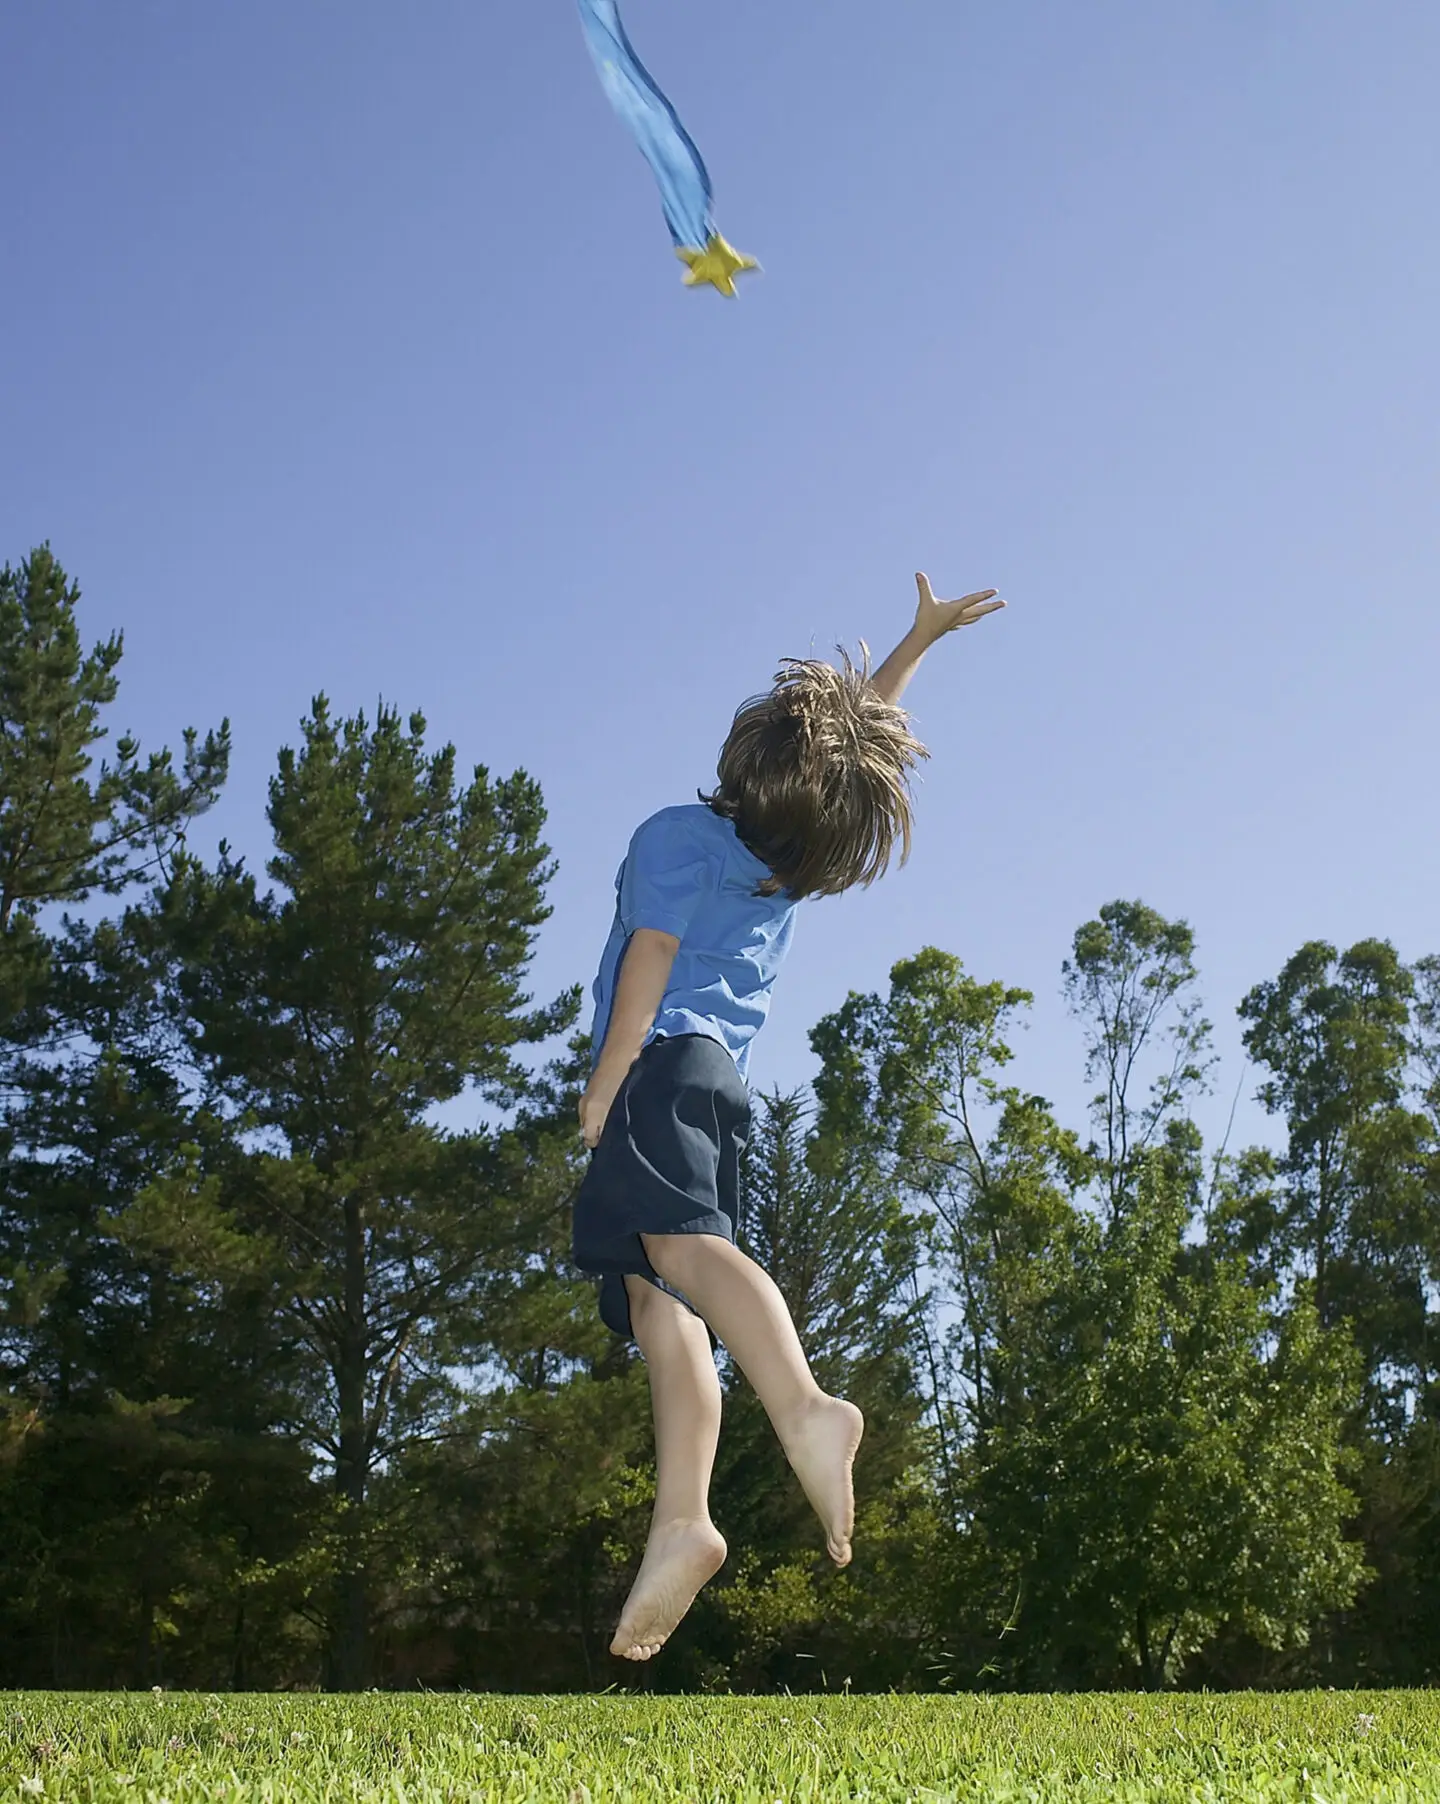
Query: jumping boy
(813, 796)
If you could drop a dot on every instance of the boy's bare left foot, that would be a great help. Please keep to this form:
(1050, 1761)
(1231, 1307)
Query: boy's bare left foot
(822, 1448)
(680, 1557)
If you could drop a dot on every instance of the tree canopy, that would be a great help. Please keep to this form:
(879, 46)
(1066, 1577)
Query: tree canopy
(298, 1385)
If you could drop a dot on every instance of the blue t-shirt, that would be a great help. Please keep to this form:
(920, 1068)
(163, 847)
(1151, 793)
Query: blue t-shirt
(687, 873)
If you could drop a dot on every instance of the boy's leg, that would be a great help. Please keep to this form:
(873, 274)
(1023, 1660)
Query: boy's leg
(684, 1549)
(820, 1434)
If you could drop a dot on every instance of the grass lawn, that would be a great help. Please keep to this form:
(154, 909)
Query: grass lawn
(1319, 1747)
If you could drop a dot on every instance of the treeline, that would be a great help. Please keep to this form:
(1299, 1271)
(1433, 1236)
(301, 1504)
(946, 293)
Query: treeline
(298, 1387)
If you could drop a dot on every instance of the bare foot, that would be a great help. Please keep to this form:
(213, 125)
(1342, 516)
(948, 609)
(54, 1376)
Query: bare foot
(822, 1451)
(679, 1558)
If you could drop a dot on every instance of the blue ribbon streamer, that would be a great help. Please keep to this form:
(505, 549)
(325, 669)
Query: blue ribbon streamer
(654, 124)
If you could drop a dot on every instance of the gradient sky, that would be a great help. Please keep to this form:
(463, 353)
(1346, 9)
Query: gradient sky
(342, 348)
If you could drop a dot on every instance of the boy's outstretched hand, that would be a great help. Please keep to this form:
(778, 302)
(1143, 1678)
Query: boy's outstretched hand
(933, 619)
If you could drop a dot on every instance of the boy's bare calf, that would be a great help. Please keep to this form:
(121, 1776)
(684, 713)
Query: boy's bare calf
(684, 1549)
(820, 1434)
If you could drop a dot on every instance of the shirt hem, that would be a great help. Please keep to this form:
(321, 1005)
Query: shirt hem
(656, 921)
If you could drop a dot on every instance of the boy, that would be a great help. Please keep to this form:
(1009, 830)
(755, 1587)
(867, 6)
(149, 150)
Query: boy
(813, 794)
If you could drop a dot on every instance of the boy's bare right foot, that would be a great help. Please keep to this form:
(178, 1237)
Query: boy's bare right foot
(821, 1448)
(680, 1557)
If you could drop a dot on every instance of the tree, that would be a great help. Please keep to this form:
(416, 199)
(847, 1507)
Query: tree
(1111, 1420)
(329, 1017)
(1425, 1018)
(1425, 1053)
(88, 1103)
(912, 1082)
(832, 1233)
(833, 1236)
(153, 1393)
(1130, 981)
(63, 833)
(1171, 1472)
(983, 1166)
(513, 1529)
(1348, 1042)
(1350, 1208)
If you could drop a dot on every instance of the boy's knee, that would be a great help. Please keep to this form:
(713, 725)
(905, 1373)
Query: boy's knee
(677, 1256)
(669, 1254)
(642, 1295)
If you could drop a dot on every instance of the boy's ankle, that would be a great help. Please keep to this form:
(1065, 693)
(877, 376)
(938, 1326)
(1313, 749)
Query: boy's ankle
(801, 1413)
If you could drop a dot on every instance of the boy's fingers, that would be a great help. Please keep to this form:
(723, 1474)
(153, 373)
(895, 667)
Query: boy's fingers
(981, 595)
(922, 583)
(988, 607)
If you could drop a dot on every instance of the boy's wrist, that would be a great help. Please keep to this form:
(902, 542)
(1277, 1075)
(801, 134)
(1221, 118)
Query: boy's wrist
(917, 641)
(614, 1061)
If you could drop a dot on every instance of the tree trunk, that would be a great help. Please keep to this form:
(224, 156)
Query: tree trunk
(238, 1671)
(350, 1625)
(145, 1634)
(1322, 1241)
(350, 1628)
(1142, 1641)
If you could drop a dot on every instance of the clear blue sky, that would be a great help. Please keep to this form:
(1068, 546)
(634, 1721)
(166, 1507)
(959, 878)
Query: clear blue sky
(343, 349)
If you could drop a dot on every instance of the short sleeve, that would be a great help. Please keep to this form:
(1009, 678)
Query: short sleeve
(663, 879)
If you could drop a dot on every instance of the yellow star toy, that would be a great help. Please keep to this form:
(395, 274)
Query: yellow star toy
(718, 264)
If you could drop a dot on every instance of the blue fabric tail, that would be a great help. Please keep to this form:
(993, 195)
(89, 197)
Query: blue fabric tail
(654, 124)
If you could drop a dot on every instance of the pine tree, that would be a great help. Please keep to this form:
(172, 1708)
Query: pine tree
(66, 829)
(90, 1107)
(379, 977)
(832, 1234)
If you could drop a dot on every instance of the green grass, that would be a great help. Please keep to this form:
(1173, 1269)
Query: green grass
(1319, 1747)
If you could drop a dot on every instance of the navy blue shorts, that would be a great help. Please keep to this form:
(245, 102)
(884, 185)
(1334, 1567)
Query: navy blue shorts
(667, 1162)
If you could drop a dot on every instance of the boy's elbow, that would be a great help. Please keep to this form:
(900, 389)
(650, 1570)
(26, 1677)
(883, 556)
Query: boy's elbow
(660, 942)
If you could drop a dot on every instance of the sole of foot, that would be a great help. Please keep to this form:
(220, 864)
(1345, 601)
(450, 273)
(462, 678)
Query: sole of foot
(822, 1449)
(680, 1557)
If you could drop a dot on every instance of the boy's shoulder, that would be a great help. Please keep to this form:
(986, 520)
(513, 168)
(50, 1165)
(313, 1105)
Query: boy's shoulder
(688, 821)
(694, 815)
(703, 833)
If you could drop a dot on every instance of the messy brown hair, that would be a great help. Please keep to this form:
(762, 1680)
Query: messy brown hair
(815, 776)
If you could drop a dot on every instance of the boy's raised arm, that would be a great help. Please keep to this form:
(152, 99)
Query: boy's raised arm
(933, 619)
